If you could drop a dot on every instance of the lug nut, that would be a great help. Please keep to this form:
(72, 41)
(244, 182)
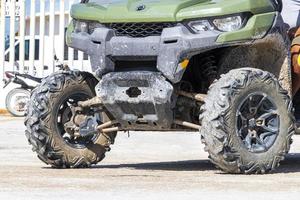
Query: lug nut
(259, 122)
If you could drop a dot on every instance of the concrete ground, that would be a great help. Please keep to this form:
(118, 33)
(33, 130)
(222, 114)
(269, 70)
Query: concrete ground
(143, 166)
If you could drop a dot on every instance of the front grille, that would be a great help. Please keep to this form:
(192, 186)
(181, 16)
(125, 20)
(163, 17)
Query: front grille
(139, 29)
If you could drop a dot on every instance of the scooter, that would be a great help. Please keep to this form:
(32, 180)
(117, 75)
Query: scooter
(16, 100)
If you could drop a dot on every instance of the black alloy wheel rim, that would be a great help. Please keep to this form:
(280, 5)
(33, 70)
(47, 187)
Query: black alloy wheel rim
(258, 122)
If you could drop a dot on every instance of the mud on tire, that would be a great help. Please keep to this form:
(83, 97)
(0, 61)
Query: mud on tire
(220, 114)
(41, 122)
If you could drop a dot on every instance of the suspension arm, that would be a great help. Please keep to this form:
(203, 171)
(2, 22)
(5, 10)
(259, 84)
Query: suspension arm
(195, 96)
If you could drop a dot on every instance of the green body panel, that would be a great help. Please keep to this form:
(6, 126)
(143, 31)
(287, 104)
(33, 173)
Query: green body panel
(257, 26)
(70, 30)
(225, 7)
(166, 10)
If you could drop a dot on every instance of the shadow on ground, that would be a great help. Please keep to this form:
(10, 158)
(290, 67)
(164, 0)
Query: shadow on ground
(290, 165)
(188, 165)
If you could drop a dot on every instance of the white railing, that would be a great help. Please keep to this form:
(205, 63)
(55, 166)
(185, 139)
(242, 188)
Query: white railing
(2, 37)
(37, 32)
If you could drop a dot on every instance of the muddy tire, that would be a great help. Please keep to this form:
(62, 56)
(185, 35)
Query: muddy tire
(256, 142)
(44, 130)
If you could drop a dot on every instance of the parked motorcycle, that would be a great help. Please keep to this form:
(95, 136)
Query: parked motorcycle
(16, 100)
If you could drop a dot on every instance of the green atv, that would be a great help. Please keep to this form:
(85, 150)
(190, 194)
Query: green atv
(218, 67)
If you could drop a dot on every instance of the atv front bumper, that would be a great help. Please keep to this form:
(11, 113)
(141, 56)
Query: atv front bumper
(173, 47)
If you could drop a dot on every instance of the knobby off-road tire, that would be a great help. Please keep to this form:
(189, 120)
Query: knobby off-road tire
(41, 122)
(219, 122)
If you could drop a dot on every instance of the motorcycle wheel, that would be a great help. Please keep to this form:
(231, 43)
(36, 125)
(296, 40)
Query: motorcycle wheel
(16, 101)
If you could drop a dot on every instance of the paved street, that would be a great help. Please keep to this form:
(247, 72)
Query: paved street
(143, 166)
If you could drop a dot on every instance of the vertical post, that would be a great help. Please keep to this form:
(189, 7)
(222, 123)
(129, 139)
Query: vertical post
(80, 59)
(32, 37)
(12, 13)
(22, 35)
(70, 50)
(2, 39)
(51, 33)
(42, 38)
(62, 30)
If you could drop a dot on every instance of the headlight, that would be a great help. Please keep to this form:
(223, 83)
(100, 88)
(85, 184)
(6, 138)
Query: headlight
(81, 26)
(86, 27)
(228, 24)
(93, 26)
(200, 26)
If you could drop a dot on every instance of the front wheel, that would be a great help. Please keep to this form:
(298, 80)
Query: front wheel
(16, 101)
(52, 123)
(247, 122)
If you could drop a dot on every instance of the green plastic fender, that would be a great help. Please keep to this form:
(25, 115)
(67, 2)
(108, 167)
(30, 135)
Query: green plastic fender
(256, 27)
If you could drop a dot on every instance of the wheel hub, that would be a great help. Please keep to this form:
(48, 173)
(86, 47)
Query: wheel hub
(72, 120)
(252, 123)
(258, 122)
(82, 125)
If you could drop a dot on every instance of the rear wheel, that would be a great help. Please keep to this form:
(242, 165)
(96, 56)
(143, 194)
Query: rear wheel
(51, 122)
(247, 122)
(16, 101)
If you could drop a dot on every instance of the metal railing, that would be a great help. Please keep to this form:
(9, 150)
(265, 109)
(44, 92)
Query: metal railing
(40, 23)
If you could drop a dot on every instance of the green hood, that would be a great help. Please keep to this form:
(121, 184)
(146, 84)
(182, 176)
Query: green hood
(164, 10)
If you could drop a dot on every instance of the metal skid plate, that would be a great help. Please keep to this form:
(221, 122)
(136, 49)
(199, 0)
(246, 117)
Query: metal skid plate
(137, 100)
